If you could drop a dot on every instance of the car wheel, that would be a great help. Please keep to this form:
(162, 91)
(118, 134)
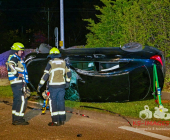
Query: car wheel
(132, 47)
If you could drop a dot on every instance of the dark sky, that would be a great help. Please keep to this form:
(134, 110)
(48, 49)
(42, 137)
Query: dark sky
(20, 12)
(25, 14)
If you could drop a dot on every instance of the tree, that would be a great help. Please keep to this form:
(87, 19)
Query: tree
(123, 21)
(12, 36)
(39, 37)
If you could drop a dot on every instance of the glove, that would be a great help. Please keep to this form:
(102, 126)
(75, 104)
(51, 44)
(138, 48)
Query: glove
(39, 87)
(46, 94)
(26, 91)
(67, 85)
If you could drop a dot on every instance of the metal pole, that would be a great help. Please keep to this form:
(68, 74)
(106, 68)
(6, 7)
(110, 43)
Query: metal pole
(48, 26)
(56, 36)
(62, 23)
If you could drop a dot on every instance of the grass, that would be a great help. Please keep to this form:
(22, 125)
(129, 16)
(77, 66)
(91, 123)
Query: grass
(128, 109)
(6, 91)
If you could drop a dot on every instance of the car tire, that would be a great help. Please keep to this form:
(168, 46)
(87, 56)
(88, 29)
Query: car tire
(132, 47)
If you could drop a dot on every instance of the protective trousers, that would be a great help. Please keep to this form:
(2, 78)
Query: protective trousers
(19, 102)
(57, 104)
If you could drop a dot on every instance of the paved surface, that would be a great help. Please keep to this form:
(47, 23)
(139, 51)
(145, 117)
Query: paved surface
(165, 95)
(4, 82)
(98, 126)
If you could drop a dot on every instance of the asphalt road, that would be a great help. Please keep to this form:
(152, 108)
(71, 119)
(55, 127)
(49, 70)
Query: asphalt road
(99, 126)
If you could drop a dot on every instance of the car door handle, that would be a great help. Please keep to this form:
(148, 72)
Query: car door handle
(98, 55)
(118, 56)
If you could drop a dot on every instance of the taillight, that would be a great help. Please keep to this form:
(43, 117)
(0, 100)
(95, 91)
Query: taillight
(157, 58)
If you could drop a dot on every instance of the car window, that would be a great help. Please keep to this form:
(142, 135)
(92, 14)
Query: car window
(88, 66)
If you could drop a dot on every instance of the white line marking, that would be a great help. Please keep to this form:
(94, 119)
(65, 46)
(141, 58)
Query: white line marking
(145, 133)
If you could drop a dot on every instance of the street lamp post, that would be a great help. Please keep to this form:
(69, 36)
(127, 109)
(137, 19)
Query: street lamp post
(48, 26)
(62, 45)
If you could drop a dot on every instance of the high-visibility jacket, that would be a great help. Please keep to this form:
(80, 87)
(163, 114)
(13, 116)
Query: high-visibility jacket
(57, 73)
(16, 66)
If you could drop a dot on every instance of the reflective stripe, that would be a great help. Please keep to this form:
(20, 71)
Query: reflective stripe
(58, 62)
(57, 83)
(50, 105)
(22, 106)
(42, 82)
(10, 75)
(52, 75)
(61, 112)
(12, 67)
(12, 62)
(15, 72)
(18, 81)
(57, 69)
(19, 69)
(46, 71)
(19, 114)
(58, 113)
(13, 111)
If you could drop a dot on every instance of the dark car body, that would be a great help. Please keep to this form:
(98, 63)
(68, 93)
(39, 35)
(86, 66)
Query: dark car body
(107, 74)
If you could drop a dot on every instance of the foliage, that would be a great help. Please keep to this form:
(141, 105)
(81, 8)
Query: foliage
(12, 36)
(166, 87)
(39, 37)
(123, 21)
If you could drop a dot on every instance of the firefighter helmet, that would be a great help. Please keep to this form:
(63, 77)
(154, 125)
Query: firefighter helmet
(54, 50)
(18, 46)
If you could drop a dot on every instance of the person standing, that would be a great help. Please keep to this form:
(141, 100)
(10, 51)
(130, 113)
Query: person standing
(58, 75)
(17, 75)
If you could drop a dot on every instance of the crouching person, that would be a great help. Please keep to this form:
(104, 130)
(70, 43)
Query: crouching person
(58, 76)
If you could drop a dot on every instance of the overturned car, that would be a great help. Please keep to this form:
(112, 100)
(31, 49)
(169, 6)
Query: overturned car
(106, 74)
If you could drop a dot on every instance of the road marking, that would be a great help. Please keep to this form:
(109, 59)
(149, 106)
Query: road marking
(145, 133)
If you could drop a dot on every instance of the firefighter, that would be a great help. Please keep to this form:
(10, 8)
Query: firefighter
(15, 66)
(58, 75)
